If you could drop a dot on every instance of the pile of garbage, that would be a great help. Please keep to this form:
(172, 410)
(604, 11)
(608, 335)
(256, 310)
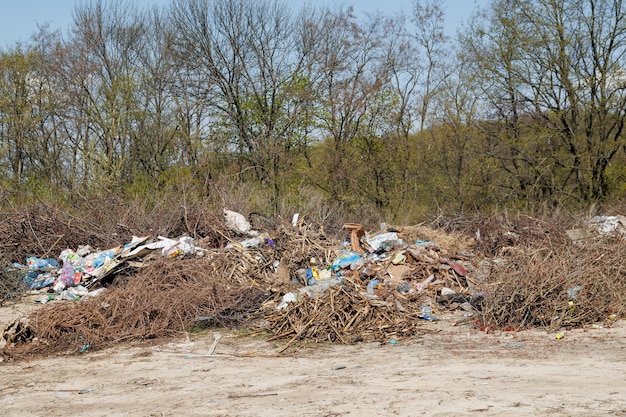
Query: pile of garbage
(296, 283)
(84, 268)
(379, 285)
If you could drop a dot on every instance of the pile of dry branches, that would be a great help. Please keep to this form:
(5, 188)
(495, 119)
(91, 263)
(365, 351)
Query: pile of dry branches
(165, 298)
(554, 286)
(494, 234)
(10, 281)
(346, 314)
(169, 296)
(43, 230)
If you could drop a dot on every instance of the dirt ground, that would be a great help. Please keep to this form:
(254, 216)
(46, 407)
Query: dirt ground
(452, 371)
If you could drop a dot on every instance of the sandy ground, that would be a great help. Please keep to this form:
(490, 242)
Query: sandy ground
(454, 371)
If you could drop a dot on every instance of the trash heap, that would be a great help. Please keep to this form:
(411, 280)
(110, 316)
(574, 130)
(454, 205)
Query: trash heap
(378, 287)
(294, 282)
(84, 268)
(298, 284)
(557, 273)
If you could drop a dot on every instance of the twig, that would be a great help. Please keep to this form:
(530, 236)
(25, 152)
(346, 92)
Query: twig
(293, 339)
(215, 342)
(251, 395)
(52, 246)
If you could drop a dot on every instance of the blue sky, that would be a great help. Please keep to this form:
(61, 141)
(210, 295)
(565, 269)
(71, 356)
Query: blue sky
(19, 18)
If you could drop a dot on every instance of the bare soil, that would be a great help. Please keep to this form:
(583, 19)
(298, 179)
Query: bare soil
(451, 371)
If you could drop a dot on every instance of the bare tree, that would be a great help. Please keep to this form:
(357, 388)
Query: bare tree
(433, 48)
(553, 70)
(154, 147)
(353, 71)
(108, 38)
(19, 117)
(247, 60)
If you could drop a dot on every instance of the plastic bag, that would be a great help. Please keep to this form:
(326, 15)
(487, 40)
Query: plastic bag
(345, 259)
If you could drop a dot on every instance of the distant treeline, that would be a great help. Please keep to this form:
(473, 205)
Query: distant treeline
(287, 107)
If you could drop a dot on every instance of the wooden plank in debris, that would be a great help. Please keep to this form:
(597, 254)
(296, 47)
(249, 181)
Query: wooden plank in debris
(356, 233)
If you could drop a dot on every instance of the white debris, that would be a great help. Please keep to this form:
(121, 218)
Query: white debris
(608, 224)
(238, 223)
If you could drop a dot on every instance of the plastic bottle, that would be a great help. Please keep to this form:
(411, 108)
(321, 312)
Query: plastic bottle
(319, 287)
(370, 289)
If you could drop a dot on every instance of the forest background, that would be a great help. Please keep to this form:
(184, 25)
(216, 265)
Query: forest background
(260, 106)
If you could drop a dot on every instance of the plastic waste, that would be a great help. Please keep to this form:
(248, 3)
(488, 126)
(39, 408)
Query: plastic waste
(422, 285)
(390, 245)
(319, 287)
(287, 298)
(35, 268)
(345, 259)
(427, 312)
(67, 295)
(172, 248)
(42, 280)
(38, 263)
(324, 274)
(445, 291)
(238, 223)
(399, 258)
(84, 250)
(608, 224)
(404, 287)
(370, 288)
(78, 291)
(67, 274)
(358, 264)
(253, 242)
(311, 275)
(73, 293)
(135, 247)
(427, 245)
(58, 285)
(102, 258)
(95, 293)
(69, 255)
(572, 292)
(43, 299)
(456, 267)
(302, 276)
(376, 241)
